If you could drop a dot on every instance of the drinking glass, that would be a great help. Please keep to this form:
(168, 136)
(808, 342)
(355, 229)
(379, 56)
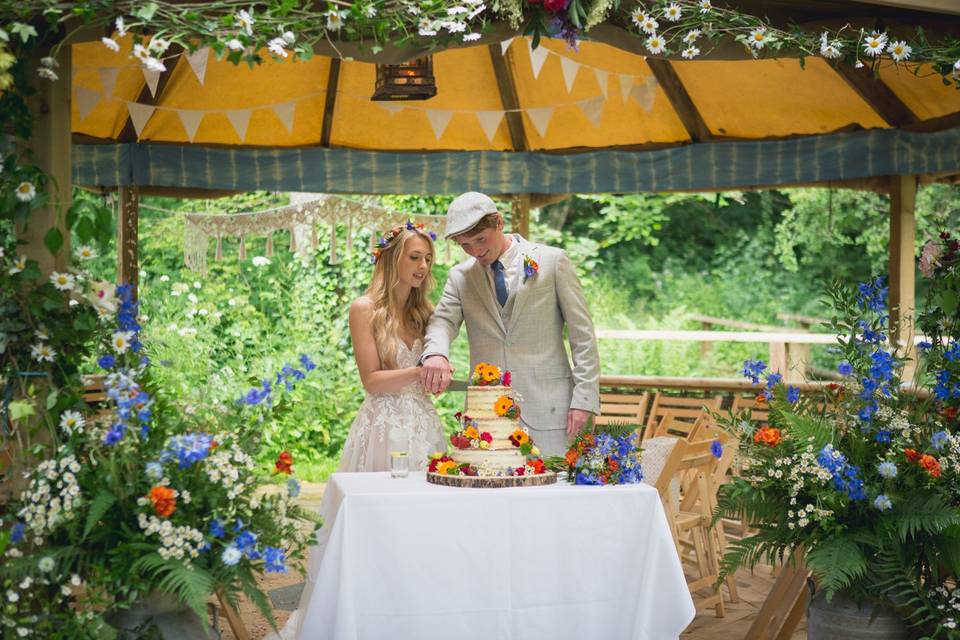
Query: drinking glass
(399, 464)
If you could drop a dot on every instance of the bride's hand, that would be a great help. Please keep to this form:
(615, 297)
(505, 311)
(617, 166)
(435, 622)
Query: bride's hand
(435, 374)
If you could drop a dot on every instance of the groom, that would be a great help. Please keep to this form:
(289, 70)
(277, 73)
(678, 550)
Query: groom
(515, 297)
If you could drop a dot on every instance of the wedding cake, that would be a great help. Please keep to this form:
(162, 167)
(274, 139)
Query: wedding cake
(490, 443)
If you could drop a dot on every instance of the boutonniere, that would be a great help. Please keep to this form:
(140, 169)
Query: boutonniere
(530, 268)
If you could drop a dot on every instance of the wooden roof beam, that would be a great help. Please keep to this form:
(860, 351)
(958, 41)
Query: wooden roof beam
(681, 101)
(172, 57)
(333, 83)
(508, 95)
(879, 96)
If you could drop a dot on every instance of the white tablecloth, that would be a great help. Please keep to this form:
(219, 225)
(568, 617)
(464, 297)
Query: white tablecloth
(405, 559)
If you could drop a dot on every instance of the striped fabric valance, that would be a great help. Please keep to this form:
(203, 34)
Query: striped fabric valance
(706, 166)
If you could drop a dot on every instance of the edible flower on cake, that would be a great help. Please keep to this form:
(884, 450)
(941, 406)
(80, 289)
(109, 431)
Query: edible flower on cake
(487, 375)
(505, 407)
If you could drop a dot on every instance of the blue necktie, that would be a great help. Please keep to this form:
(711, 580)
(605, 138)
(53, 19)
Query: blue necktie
(499, 282)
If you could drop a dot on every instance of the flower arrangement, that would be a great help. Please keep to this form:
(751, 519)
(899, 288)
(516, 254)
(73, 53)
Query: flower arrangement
(505, 407)
(469, 436)
(611, 456)
(863, 475)
(135, 498)
(384, 241)
(489, 375)
(521, 439)
(530, 268)
(447, 466)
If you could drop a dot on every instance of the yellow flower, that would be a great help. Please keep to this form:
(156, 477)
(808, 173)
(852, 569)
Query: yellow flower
(484, 444)
(471, 433)
(519, 437)
(444, 468)
(503, 405)
(491, 373)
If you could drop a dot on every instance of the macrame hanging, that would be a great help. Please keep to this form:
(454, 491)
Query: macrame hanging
(300, 221)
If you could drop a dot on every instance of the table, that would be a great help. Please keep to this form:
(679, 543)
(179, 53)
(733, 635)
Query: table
(407, 559)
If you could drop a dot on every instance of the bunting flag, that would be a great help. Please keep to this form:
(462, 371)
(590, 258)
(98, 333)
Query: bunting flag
(108, 78)
(489, 122)
(439, 119)
(191, 121)
(626, 83)
(602, 79)
(592, 108)
(505, 45)
(240, 119)
(537, 57)
(198, 62)
(152, 78)
(139, 115)
(285, 114)
(87, 99)
(645, 93)
(540, 117)
(391, 107)
(570, 69)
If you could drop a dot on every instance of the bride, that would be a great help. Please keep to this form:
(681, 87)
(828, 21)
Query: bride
(387, 325)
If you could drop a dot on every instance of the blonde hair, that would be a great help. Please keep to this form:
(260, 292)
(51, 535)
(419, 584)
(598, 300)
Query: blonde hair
(387, 325)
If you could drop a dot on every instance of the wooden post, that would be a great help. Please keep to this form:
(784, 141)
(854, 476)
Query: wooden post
(50, 142)
(903, 224)
(520, 215)
(128, 257)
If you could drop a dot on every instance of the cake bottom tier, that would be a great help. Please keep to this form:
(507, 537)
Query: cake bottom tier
(494, 461)
(493, 482)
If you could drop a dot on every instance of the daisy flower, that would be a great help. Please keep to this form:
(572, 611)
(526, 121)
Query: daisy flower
(690, 53)
(140, 52)
(62, 281)
(276, 47)
(18, 265)
(41, 335)
(42, 352)
(672, 12)
(121, 28)
(71, 421)
(370, 11)
(829, 50)
(234, 45)
(121, 341)
(649, 25)
(158, 45)
(705, 6)
(758, 37)
(26, 191)
(334, 20)
(899, 50)
(86, 252)
(874, 44)
(245, 21)
(692, 36)
(110, 43)
(289, 38)
(638, 16)
(153, 64)
(656, 44)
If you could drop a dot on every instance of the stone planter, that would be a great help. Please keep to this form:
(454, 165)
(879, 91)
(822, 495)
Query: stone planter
(173, 619)
(843, 619)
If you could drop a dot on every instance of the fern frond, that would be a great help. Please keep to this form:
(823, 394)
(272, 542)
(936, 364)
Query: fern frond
(98, 508)
(931, 517)
(249, 585)
(836, 563)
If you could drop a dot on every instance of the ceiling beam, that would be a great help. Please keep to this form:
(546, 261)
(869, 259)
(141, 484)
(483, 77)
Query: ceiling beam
(171, 57)
(681, 101)
(508, 95)
(878, 95)
(333, 84)
(940, 123)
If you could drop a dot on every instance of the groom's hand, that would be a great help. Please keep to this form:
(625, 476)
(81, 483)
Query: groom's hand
(436, 373)
(576, 419)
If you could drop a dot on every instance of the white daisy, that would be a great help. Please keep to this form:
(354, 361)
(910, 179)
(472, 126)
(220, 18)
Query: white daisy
(245, 21)
(86, 252)
(26, 191)
(71, 421)
(158, 45)
(758, 37)
(899, 50)
(42, 352)
(692, 36)
(649, 25)
(427, 28)
(121, 28)
(829, 50)
(690, 53)
(874, 43)
(705, 6)
(121, 341)
(334, 20)
(18, 265)
(470, 37)
(234, 45)
(140, 52)
(477, 11)
(288, 37)
(41, 334)
(110, 43)
(638, 16)
(276, 47)
(48, 74)
(154, 64)
(62, 281)
(672, 12)
(656, 44)
(370, 11)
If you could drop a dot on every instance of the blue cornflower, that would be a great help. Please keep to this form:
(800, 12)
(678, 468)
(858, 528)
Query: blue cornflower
(953, 353)
(187, 449)
(216, 529)
(17, 532)
(923, 345)
(939, 440)
(941, 391)
(773, 380)
(144, 415)
(887, 469)
(307, 363)
(585, 477)
(793, 394)
(144, 430)
(106, 361)
(273, 560)
(252, 397)
(882, 436)
(867, 411)
(753, 369)
(293, 487)
(882, 367)
(115, 434)
(845, 368)
(882, 502)
(716, 448)
(246, 541)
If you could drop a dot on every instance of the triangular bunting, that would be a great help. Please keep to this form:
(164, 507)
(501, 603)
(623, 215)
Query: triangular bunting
(602, 79)
(198, 62)
(392, 107)
(570, 69)
(645, 93)
(191, 120)
(240, 118)
(285, 113)
(540, 117)
(139, 115)
(537, 57)
(108, 78)
(592, 107)
(626, 83)
(505, 45)
(87, 99)
(152, 78)
(439, 119)
(489, 122)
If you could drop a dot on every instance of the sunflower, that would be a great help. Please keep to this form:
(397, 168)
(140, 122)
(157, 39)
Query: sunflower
(519, 438)
(445, 468)
(491, 373)
(471, 433)
(503, 405)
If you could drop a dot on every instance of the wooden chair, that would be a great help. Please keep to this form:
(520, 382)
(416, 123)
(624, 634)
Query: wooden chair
(694, 462)
(620, 408)
(674, 427)
(758, 412)
(681, 409)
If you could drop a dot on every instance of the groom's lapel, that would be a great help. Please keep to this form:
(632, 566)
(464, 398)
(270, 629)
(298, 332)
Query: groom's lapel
(482, 292)
(525, 285)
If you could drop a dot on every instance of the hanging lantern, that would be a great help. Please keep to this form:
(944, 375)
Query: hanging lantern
(411, 80)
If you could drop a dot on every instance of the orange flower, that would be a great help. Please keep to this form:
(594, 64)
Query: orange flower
(444, 468)
(503, 405)
(284, 463)
(911, 454)
(931, 464)
(572, 457)
(471, 433)
(613, 464)
(519, 438)
(760, 399)
(491, 373)
(766, 435)
(164, 502)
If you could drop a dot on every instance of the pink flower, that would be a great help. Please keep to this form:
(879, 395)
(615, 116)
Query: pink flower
(930, 258)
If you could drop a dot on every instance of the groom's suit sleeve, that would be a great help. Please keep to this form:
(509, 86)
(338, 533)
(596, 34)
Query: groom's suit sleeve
(445, 323)
(583, 339)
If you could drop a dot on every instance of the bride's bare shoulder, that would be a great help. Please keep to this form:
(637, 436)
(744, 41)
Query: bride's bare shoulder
(361, 306)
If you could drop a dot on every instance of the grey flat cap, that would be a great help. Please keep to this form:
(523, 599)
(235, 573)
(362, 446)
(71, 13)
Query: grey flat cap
(466, 211)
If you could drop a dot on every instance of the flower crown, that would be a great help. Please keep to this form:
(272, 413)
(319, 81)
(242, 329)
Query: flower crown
(384, 240)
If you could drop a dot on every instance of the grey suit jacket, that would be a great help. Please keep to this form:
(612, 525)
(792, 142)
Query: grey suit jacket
(531, 347)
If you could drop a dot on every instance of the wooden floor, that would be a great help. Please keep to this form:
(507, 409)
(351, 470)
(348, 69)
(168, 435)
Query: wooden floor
(753, 589)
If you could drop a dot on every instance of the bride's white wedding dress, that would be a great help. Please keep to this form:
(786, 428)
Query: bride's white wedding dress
(367, 446)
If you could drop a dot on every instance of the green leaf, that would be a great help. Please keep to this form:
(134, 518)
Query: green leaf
(52, 399)
(85, 230)
(98, 508)
(20, 409)
(53, 240)
(25, 31)
(146, 12)
(948, 302)
(837, 562)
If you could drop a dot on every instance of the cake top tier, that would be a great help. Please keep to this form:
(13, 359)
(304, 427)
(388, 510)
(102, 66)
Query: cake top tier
(489, 375)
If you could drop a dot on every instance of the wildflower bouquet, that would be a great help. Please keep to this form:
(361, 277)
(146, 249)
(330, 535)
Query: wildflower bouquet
(863, 476)
(135, 500)
(602, 457)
